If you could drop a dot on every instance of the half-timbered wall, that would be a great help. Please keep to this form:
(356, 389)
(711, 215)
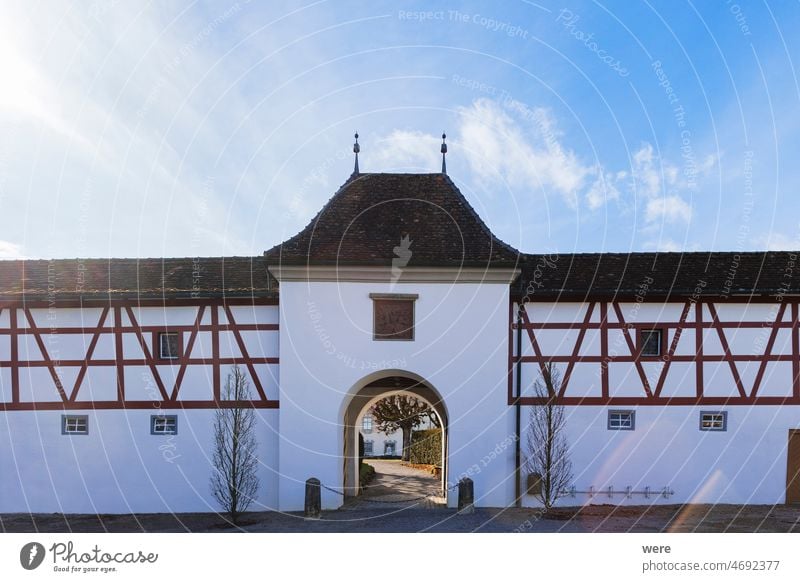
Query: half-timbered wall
(713, 353)
(103, 361)
(737, 358)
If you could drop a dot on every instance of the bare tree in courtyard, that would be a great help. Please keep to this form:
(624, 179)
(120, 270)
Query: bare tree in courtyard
(234, 482)
(548, 452)
(401, 412)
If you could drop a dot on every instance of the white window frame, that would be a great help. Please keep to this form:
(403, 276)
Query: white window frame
(367, 420)
(721, 423)
(618, 425)
(155, 419)
(71, 424)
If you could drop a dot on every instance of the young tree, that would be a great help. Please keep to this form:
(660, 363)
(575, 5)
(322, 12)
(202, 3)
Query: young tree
(548, 452)
(400, 412)
(234, 482)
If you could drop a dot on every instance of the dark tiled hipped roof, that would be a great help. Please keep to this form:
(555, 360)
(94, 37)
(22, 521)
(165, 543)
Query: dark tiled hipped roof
(136, 278)
(365, 223)
(659, 275)
(569, 276)
(370, 215)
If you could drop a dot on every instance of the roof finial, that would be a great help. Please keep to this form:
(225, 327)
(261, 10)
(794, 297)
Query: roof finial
(444, 151)
(356, 149)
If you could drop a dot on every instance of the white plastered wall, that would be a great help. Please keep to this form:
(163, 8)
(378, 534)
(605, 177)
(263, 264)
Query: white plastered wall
(328, 354)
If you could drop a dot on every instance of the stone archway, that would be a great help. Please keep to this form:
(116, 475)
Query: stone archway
(368, 391)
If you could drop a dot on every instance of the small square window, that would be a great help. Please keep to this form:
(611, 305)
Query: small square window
(650, 342)
(74, 424)
(366, 424)
(368, 447)
(714, 421)
(389, 448)
(169, 345)
(621, 420)
(163, 424)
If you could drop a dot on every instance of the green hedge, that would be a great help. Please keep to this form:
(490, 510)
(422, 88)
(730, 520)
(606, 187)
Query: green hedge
(365, 473)
(426, 447)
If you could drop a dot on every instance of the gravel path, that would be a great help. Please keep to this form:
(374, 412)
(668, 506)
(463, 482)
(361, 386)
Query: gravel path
(396, 487)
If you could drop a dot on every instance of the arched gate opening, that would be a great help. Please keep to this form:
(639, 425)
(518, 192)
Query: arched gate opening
(365, 394)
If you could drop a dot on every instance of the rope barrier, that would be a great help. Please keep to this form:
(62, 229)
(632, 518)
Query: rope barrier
(367, 500)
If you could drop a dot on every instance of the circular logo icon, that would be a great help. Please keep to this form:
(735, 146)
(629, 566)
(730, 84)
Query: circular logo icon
(31, 555)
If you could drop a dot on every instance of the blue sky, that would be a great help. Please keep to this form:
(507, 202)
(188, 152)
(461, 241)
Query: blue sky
(220, 128)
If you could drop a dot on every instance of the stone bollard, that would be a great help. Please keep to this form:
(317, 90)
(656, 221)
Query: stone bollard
(313, 499)
(466, 496)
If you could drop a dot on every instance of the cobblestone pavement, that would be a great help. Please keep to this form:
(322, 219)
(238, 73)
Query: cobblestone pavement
(595, 518)
(397, 486)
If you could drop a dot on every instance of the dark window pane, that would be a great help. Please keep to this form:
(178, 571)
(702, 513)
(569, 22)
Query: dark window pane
(621, 420)
(651, 342)
(169, 346)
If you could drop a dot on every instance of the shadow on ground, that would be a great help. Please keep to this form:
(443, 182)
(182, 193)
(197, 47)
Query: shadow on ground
(593, 518)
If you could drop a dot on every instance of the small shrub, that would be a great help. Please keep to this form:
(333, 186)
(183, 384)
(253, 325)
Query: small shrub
(366, 473)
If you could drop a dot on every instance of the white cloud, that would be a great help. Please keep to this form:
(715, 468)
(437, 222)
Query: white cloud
(647, 180)
(110, 109)
(9, 250)
(406, 151)
(673, 209)
(776, 241)
(658, 187)
(603, 189)
(524, 148)
(665, 246)
(708, 164)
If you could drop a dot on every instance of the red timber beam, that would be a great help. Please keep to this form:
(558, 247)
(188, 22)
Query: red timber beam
(184, 359)
(89, 354)
(215, 359)
(538, 357)
(795, 352)
(700, 357)
(511, 358)
(667, 401)
(576, 351)
(243, 348)
(45, 355)
(634, 351)
(136, 405)
(14, 349)
(119, 354)
(148, 357)
(69, 400)
(727, 350)
(146, 329)
(88, 302)
(662, 378)
(604, 357)
(767, 351)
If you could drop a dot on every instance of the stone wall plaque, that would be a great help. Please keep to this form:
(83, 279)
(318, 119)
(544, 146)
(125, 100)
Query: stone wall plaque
(393, 317)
